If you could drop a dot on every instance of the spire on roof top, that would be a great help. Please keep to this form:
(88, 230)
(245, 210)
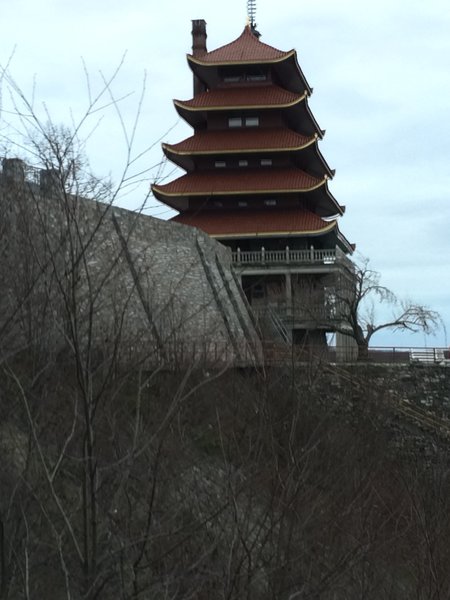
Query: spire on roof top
(251, 13)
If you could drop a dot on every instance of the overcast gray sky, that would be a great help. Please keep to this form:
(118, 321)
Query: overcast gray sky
(381, 78)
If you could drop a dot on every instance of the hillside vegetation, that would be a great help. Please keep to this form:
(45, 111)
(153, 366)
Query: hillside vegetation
(229, 484)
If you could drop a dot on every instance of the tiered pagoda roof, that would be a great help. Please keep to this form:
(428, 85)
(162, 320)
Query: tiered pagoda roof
(250, 140)
(244, 50)
(247, 49)
(241, 182)
(275, 141)
(259, 222)
(237, 183)
(253, 97)
(235, 98)
(253, 164)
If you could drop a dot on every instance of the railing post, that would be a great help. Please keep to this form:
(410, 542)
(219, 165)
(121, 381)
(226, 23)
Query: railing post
(238, 255)
(287, 254)
(311, 253)
(288, 286)
(263, 254)
(14, 169)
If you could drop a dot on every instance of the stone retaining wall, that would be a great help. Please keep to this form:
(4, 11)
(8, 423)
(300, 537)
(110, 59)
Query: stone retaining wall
(155, 284)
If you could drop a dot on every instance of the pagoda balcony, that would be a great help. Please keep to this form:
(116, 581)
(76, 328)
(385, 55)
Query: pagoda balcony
(287, 259)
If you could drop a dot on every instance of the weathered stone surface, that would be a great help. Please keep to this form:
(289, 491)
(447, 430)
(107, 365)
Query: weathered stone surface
(412, 402)
(154, 284)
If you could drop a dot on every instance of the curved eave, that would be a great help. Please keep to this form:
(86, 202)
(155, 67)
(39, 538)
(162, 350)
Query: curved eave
(184, 105)
(327, 206)
(287, 68)
(298, 113)
(318, 130)
(257, 222)
(186, 158)
(236, 192)
(344, 244)
(270, 234)
(330, 172)
(292, 76)
(320, 160)
(256, 61)
(318, 196)
(173, 153)
(302, 76)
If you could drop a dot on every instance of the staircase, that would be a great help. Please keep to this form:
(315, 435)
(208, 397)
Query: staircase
(272, 325)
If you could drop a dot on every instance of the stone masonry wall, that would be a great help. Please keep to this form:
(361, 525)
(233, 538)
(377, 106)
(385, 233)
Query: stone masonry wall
(411, 401)
(71, 263)
(426, 387)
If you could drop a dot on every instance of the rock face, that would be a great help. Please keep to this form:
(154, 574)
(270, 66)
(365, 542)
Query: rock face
(104, 274)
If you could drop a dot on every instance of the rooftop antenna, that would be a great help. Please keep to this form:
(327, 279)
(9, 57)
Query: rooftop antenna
(251, 12)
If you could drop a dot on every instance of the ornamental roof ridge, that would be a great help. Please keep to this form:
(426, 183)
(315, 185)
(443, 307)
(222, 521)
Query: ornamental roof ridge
(245, 48)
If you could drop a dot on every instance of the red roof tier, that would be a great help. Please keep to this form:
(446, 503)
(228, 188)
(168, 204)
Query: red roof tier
(246, 48)
(231, 181)
(252, 223)
(242, 97)
(248, 140)
(298, 113)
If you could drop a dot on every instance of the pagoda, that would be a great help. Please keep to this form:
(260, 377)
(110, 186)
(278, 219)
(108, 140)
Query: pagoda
(256, 181)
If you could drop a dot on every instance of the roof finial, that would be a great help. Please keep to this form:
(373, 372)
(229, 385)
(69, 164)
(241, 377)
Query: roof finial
(251, 14)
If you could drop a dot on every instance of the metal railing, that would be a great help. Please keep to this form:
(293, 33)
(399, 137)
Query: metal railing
(279, 354)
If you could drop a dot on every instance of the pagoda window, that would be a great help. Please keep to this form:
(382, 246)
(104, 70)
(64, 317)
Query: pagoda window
(243, 163)
(270, 202)
(236, 74)
(220, 164)
(235, 122)
(252, 121)
(256, 77)
(266, 162)
(256, 73)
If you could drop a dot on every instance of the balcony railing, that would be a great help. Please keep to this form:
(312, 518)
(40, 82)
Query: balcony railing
(282, 354)
(298, 312)
(287, 256)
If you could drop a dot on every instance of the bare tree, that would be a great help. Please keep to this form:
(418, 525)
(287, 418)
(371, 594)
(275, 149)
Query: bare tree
(355, 304)
(92, 508)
